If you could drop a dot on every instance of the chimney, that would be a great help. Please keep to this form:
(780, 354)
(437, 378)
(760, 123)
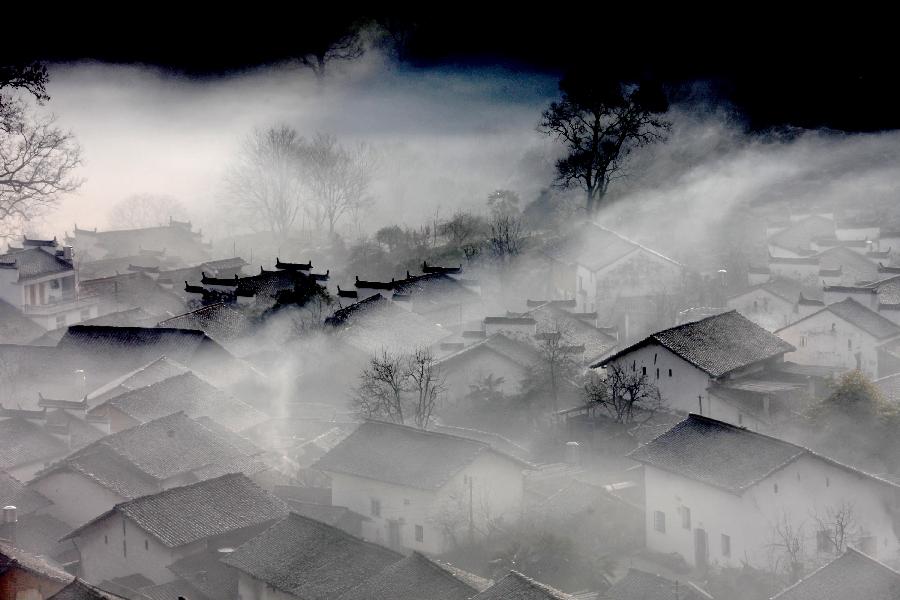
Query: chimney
(67, 253)
(8, 524)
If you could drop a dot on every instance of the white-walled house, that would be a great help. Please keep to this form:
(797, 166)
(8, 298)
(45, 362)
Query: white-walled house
(722, 495)
(774, 304)
(684, 361)
(420, 488)
(147, 534)
(497, 357)
(40, 280)
(843, 334)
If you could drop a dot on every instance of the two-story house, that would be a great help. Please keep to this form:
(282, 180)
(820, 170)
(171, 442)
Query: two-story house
(40, 280)
(717, 494)
(423, 490)
(682, 362)
(843, 334)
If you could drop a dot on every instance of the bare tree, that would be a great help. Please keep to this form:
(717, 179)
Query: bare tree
(145, 210)
(30, 78)
(401, 387)
(381, 387)
(600, 123)
(506, 237)
(557, 363)
(337, 178)
(333, 42)
(461, 228)
(625, 396)
(426, 384)
(838, 526)
(265, 183)
(503, 202)
(37, 165)
(787, 544)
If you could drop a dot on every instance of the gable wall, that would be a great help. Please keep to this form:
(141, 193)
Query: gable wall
(817, 343)
(76, 499)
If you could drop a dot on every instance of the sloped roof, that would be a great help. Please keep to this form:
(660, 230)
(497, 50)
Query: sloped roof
(15, 327)
(801, 233)
(153, 372)
(640, 585)
(520, 353)
(851, 575)
(182, 515)
(129, 290)
(142, 342)
(176, 239)
(14, 492)
(551, 318)
(403, 455)
(596, 247)
(726, 456)
(857, 315)
(310, 560)
(12, 557)
(376, 323)
(718, 344)
(34, 262)
(416, 577)
(184, 393)
(218, 321)
(40, 534)
(79, 590)
(206, 572)
(23, 442)
(124, 318)
(108, 469)
(517, 586)
(855, 268)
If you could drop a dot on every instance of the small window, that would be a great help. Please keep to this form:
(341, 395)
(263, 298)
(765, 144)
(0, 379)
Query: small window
(659, 521)
(657, 372)
(643, 370)
(670, 372)
(832, 326)
(685, 517)
(54, 284)
(827, 482)
(146, 545)
(740, 419)
(849, 344)
(420, 533)
(802, 341)
(633, 364)
(726, 545)
(654, 358)
(376, 507)
(406, 502)
(124, 549)
(105, 539)
(775, 487)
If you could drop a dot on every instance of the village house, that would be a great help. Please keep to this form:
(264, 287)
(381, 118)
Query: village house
(630, 285)
(147, 534)
(26, 576)
(775, 303)
(299, 558)
(26, 447)
(721, 495)
(151, 457)
(684, 361)
(795, 238)
(80, 590)
(40, 280)
(423, 490)
(16, 327)
(126, 291)
(177, 239)
(851, 575)
(497, 361)
(842, 334)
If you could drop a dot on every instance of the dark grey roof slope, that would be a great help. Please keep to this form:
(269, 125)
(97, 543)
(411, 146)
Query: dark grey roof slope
(640, 585)
(34, 262)
(125, 318)
(13, 492)
(517, 586)
(310, 560)
(205, 572)
(23, 442)
(184, 393)
(416, 577)
(187, 514)
(869, 321)
(853, 575)
(79, 590)
(15, 327)
(218, 321)
(12, 557)
(718, 344)
(520, 353)
(402, 455)
(142, 342)
(148, 374)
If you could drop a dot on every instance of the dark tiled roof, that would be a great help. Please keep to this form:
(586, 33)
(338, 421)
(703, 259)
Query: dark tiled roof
(718, 344)
(206, 572)
(184, 393)
(722, 455)
(416, 577)
(132, 317)
(402, 455)
(13, 492)
(15, 327)
(171, 590)
(103, 466)
(520, 353)
(187, 514)
(148, 374)
(79, 590)
(23, 442)
(218, 321)
(852, 575)
(640, 585)
(34, 262)
(854, 267)
(310, 560)
(517, 586)
(40, 534)
(147, 342)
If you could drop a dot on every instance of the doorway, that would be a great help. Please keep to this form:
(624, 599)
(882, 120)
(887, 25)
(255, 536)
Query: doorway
(701, 548)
